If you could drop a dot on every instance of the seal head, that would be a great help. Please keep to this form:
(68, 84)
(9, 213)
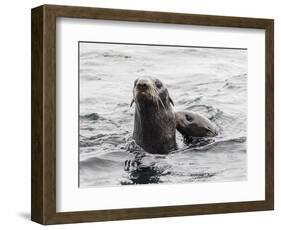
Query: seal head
(155, 124)
(191, 124)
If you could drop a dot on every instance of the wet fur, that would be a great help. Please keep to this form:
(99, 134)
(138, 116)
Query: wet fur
(155, 122)
(155, 125)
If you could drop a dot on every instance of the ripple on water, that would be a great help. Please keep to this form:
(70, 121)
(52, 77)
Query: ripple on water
(208, 81)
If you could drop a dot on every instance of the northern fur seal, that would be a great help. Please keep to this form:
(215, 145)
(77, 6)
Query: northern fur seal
(191, 124)
(155, 122)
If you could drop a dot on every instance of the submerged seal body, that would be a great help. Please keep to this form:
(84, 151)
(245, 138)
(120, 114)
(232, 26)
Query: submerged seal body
(191, 124)
(155, 123)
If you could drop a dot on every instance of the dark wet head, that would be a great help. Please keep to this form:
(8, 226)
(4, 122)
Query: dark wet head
(151, 91)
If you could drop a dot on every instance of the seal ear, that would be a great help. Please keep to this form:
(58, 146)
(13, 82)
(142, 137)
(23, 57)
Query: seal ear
(132, 102)
(170, 99)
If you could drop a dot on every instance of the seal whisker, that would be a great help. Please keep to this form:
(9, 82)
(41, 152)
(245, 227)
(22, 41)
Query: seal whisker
(158, 98)
(154, 95)
(162, 103)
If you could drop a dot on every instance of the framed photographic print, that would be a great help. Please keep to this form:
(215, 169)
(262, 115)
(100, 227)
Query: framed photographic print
(140, 114)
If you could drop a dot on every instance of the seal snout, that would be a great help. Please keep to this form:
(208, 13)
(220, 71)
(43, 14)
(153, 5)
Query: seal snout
(142, 85)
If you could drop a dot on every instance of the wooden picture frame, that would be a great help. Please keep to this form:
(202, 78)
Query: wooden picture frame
(43, 189)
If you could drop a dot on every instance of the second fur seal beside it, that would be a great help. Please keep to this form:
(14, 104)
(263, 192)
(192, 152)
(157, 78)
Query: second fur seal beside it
(155, 122)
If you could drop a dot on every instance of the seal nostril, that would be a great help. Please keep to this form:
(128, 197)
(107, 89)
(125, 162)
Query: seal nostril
(142, 85)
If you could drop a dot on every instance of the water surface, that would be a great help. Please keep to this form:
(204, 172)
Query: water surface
(210, 81)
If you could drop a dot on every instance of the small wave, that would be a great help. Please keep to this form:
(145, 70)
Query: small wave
(91, 63)
(242, 75)
(114, 54)
(92, 117)
(90, 77)
(84, 144)
(143, 176)
(198, 52)
(122, 104)
(201, 107)
(111, 140)
(93, 140)
(206, 144)
(230, 85)
(87, 128)
(145, 168)
(222, 144)
(132, 146)
(235, 82)
(202, 175)
(194, 100)
(192, 142)
(86, 54)
(140, 70)
(94, 137)
(98, 164)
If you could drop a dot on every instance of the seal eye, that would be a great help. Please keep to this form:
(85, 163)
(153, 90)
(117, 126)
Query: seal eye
(158, 84)
(189, 118)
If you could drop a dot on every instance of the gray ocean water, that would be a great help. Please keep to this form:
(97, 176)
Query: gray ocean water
(210, 81)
